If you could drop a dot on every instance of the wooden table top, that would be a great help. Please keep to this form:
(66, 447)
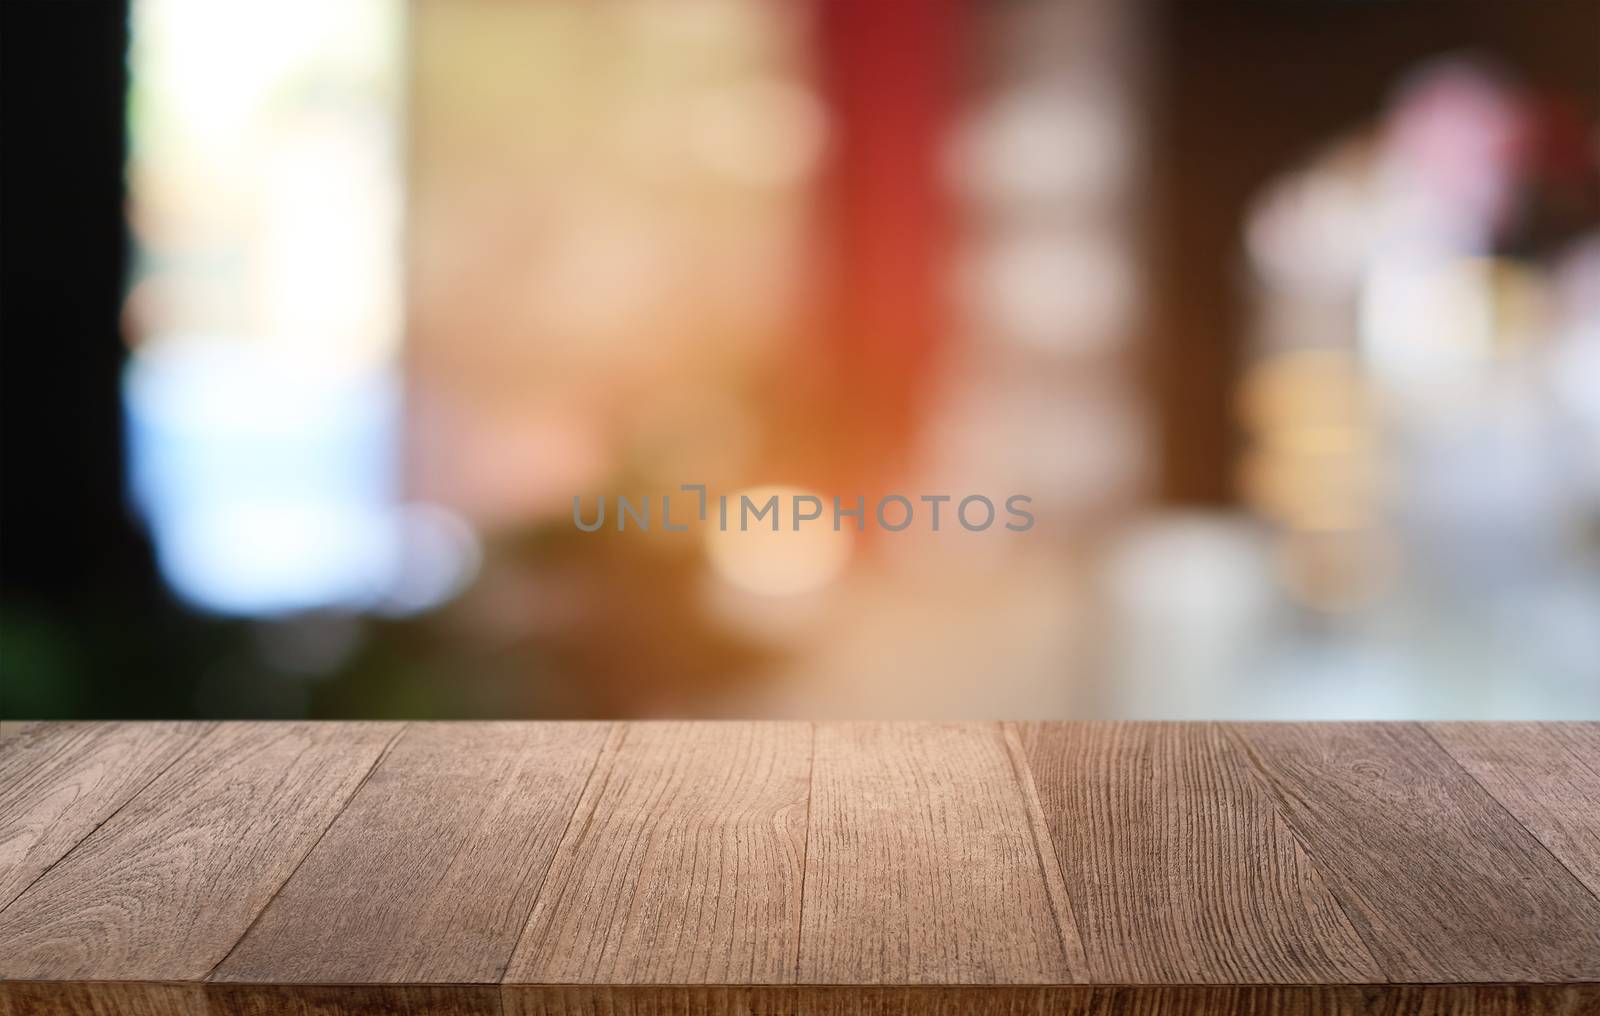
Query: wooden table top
(796, 868)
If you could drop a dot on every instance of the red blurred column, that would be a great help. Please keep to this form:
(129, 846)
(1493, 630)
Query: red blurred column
(889, 70)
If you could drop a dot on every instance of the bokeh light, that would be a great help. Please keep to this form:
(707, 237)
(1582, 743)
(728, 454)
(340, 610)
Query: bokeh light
(778, 555)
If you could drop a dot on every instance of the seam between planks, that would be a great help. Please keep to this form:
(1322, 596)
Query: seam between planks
(805, 858)
(657, 792)
(1258, 771)
(210, 729)
(388, 745)
(1507, 811)
(1559, 732)
(617, 732)
(1044, 850)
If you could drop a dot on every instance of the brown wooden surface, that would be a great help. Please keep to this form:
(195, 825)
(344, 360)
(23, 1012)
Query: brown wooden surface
(430, 873)
(921, 863)
(1058, 1000)
(1184, 871)
(744, 868)
(1440, 880)
(58, 785)
(683, 863)
(165, 887)
(1548, 777)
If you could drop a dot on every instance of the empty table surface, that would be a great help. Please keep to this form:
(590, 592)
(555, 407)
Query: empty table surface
(725, 867)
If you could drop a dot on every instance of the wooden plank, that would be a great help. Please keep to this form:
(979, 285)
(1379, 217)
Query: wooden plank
(1548, 777)
(1179, 868)
(195, 998)
(44, 998)
(429, 874)
(922, 866)
(683, 863)
(699, 868)
(353, 1000)
(12, 729)
(1058, 1000)
(59, 781)
(101, 998)
(1441, 883)
(165, 888)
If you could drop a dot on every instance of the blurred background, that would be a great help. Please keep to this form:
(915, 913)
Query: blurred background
(317, 317)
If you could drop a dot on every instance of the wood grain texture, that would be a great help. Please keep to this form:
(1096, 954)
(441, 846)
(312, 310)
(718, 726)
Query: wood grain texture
(429, 874)
(922, 867)
(165, 888)
(59, 781)
(1441, 883)
(1058, 1000)
(842, 869)
(1547, 775)
(10, 729)
(102, 998)
(140, 998)
(42, 998)
(352, 1000)
(1178, 865)
(683, 863)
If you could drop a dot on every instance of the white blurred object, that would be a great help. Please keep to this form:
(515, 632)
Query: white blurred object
(263, 393)
(1056, 291)
(1047, 142)
(1310, 235)
(1573, 369)
(270, 489)
(1191, 606)
(435, 554)
(1427, 319)
(265, 486)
